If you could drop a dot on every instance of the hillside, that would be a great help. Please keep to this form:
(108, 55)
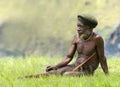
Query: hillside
(38, 27)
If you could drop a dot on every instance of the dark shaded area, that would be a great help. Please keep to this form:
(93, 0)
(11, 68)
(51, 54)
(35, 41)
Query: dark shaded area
(113, 43)
(15, 53)
(15, 41)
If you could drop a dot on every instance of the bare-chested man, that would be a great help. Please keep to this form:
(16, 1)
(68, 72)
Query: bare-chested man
(88, 45)
(85, 42)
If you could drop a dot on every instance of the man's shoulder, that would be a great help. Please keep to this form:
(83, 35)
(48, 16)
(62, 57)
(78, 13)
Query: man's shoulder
(97, 36)
(75, 38)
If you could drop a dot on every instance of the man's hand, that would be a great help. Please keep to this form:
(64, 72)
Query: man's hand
(49, 68)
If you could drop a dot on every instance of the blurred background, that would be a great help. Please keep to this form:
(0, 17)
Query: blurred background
(46, 27)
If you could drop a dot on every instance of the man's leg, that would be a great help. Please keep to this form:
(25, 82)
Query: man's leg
(74, 73)
(68, 71)
(64, 69)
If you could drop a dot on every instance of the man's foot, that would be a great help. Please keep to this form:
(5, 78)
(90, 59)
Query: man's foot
(35, 75)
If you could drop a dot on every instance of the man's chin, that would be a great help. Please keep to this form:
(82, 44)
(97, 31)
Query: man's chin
(79, 33)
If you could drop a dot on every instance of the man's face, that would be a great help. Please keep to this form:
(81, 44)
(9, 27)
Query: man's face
(82, 29)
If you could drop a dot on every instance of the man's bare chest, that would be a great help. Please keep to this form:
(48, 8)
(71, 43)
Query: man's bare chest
(85, 46)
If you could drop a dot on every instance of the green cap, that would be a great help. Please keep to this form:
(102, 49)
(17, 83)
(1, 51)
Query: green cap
(88, 20)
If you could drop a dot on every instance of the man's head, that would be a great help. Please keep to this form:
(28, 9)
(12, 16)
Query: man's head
(88, 20)
(85, 24)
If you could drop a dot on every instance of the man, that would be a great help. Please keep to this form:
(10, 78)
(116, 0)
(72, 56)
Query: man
(90, 49)
(86, 43)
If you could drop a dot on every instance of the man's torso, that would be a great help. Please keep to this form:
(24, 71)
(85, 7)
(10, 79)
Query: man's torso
(85, 48)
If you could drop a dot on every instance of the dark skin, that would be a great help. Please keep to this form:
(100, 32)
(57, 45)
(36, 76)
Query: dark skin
(85, 42)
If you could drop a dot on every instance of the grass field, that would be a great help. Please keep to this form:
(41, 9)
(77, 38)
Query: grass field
(11, 69)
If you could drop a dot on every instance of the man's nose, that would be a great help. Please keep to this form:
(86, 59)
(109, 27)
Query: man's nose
(78, 29)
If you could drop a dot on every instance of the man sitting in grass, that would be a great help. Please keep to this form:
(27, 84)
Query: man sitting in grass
(88, 44)
(90, 49)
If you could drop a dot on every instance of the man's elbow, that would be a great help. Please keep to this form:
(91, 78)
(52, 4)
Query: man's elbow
(67, 60)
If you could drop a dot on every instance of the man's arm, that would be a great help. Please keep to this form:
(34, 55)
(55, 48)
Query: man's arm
(100, 52)
(70, 55)
(67, 58)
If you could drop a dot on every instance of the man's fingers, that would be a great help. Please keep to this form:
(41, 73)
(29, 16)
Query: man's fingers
(48, 69)
(48, 66)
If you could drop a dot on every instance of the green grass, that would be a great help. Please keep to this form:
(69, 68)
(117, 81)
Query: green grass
(11, 69)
